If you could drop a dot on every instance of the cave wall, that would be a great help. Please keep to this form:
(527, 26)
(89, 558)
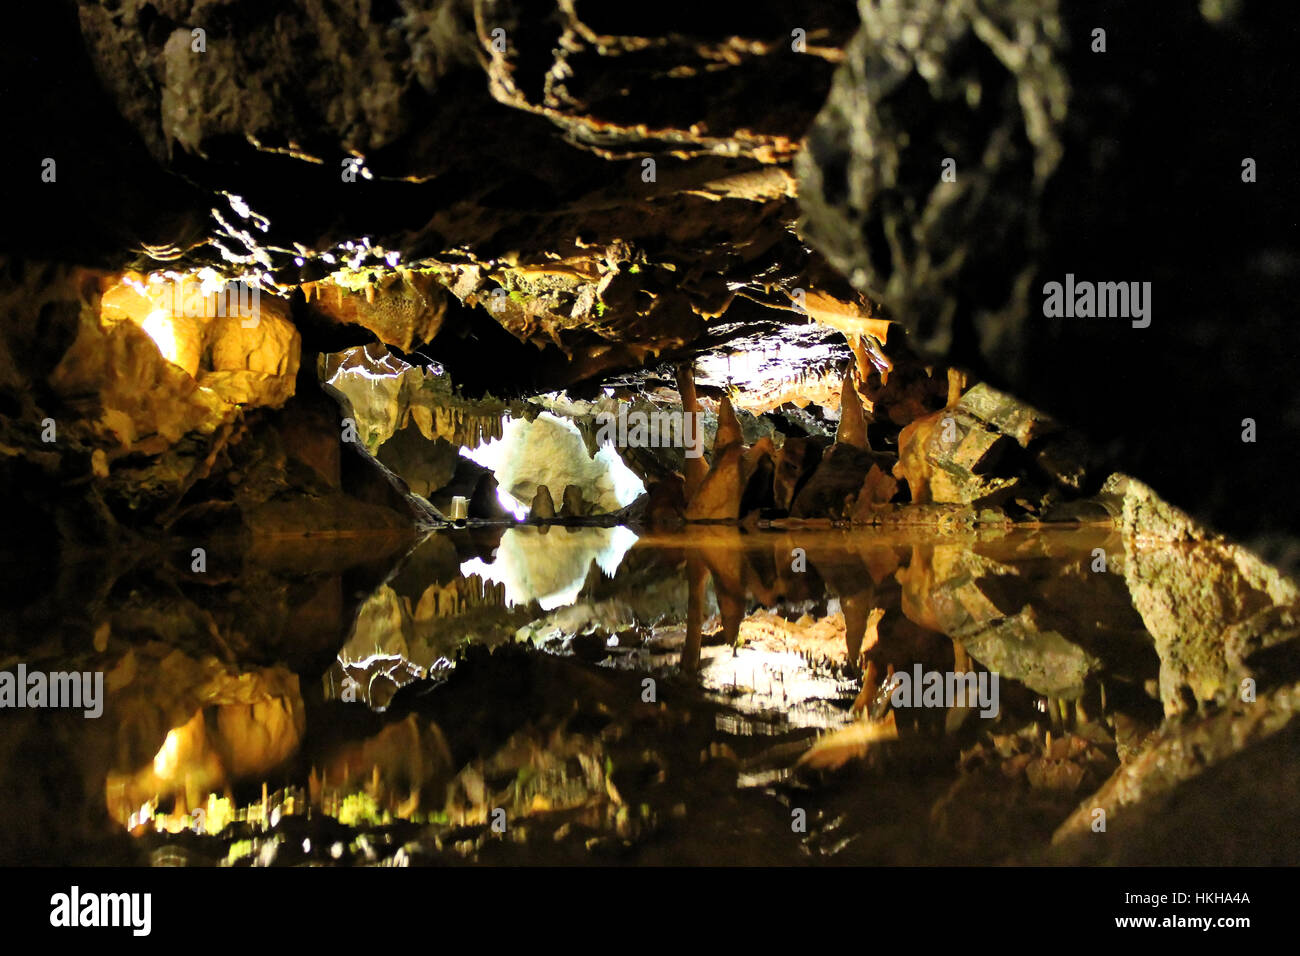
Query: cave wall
(1123, 164)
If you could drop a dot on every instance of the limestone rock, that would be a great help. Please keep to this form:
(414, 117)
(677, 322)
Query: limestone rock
(543, 508)
(754, 457)
(834, 486)
(853, 425)
(1024, 620)
(573, 506)
(1192, 587)
(471, 480)
(795, 463)
(878, 489)
(1007, 415)
(948, 458)
(1178, 783)
(424, 465)
(718, 497)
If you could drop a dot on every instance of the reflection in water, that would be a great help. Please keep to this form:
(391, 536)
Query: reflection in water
(563, 695)
(550, 565)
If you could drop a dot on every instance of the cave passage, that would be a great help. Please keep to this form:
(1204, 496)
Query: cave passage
(472, 431)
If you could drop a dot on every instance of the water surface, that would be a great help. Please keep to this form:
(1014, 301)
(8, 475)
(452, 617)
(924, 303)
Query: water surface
(569, 695)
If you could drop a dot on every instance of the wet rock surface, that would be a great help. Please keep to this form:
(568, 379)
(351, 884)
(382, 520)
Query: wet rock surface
(1200, 602)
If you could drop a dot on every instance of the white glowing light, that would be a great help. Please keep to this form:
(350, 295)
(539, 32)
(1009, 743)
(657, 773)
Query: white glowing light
(627, 486)
(551, 570)
(512, 504)
(611, 556)
(159, 327)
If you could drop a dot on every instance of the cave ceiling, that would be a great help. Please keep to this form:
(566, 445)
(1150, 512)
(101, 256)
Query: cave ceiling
(574, 195)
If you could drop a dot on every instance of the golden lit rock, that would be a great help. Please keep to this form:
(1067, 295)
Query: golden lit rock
(718, 497)
(403, 308)
(852, 429)
(729, 432)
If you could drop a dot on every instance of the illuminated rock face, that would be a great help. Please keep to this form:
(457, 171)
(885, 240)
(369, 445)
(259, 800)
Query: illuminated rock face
(383, 395)
(406, 309)
(185, 399)
(238, 342)
(548, 452)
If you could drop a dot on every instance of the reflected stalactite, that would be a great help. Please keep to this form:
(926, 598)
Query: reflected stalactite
(731, 607)
(727, 567)
(858, 609)
(697, 573)
(399, 772)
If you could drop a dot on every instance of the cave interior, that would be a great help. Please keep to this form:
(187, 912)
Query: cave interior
(560, 432)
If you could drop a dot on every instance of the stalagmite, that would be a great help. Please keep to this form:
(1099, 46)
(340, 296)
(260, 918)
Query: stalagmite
(572, 506)
(543, 508)
(697, 573)
(857, 610)
(853, 424)
(718, 497)
(729, 432)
